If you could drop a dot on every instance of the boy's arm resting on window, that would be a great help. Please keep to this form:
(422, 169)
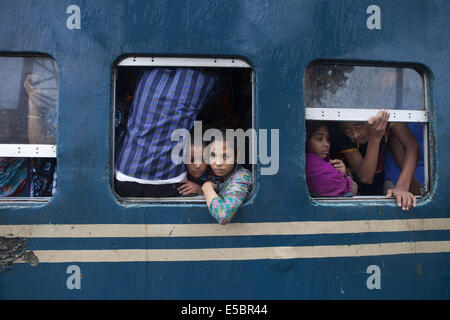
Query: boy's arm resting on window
(404, 198)
(364, 167)
(399, 155)
(407, 145)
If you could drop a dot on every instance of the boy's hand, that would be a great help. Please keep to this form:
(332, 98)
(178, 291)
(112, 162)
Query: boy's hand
(404, 198)
(338, 165)
(189, 187)
(377, 125)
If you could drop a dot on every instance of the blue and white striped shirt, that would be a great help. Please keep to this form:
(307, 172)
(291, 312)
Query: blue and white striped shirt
(164, 100)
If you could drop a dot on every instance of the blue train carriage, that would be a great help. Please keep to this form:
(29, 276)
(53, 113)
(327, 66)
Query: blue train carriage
(293, 62)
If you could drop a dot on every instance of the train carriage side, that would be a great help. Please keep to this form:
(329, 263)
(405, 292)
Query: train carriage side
(86, 242)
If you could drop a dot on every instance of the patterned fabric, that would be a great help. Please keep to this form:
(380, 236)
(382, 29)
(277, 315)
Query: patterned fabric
(41, 173)
(27, 177)
(164, 100)
(231, 196)
(13, 176)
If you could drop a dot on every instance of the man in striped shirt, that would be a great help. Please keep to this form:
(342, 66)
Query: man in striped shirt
(165, 100)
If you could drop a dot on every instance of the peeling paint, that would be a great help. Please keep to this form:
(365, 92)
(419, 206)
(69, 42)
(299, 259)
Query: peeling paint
(13, 250)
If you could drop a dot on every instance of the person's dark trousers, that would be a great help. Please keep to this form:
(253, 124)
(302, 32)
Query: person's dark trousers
(133, 189)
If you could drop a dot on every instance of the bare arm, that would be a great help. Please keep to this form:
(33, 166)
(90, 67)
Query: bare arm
(399, 155)
(209, 192)
(365, 167)
(36, 130)
(406, 142)
(411, 149)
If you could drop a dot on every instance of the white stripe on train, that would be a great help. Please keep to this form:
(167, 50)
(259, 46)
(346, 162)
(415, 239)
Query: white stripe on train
(234, 254)
(232, 229)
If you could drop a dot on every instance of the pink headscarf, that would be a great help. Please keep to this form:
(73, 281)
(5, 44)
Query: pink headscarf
(324, 180)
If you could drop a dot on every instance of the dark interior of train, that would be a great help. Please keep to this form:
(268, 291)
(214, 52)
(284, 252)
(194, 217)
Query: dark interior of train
(231, 109)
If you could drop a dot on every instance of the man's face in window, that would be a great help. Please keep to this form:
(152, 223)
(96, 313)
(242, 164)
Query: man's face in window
(356, 131)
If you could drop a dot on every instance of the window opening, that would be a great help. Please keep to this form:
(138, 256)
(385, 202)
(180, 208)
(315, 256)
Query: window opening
(29, 109)
(228, 105)
(340, 94)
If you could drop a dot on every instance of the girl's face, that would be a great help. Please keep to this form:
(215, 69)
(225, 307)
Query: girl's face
(319, 143)
(196, 169)
(221, 159)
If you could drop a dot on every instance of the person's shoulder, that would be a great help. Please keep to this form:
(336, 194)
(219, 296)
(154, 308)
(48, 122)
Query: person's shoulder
(312, 156)
(242, 170)
(315, 165)
(242, 174)
(311, 159)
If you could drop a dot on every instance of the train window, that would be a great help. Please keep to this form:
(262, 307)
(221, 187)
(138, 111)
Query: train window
(339, 100)
(155, 98)
(28, 108)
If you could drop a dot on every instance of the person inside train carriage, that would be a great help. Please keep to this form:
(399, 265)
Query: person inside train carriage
(325, 177)
(165, 99)
(363, 145)
(395, 156)
(29, 177)
(225, 199)
(198, 171)
(224, 111)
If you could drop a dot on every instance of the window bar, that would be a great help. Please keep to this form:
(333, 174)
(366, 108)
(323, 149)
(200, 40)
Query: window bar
(28, 150)
(351, 114)
(185, 62)
(426, 153)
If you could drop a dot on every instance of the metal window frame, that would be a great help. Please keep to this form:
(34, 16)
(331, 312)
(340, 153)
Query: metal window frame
(351, 114)
(426, 127)
(403, 115)
(183, 62)
(194, 62)
(28, 150)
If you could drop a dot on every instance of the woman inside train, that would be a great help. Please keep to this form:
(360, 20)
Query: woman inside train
(325, 177)
(29, 177)
(225, 199)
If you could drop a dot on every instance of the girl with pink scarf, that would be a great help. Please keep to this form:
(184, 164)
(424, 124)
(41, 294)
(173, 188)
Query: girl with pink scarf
(325, 177)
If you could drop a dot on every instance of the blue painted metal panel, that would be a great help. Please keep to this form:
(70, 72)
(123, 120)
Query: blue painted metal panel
(339, 278)
(279, 39)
